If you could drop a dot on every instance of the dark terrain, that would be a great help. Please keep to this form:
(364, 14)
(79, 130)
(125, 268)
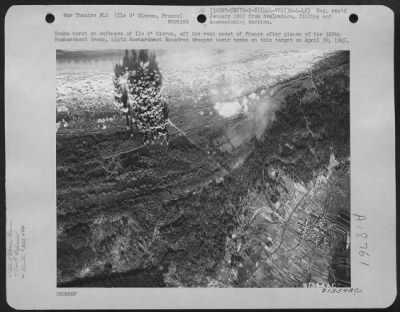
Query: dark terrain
(200, 214)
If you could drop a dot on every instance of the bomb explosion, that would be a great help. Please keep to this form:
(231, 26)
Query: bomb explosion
(137, 84)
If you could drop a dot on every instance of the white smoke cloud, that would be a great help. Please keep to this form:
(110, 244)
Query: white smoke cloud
(228, 109)
(259, 111)
(260, 114)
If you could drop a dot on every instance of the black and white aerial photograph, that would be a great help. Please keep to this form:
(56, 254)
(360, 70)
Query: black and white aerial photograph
(203, 168)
